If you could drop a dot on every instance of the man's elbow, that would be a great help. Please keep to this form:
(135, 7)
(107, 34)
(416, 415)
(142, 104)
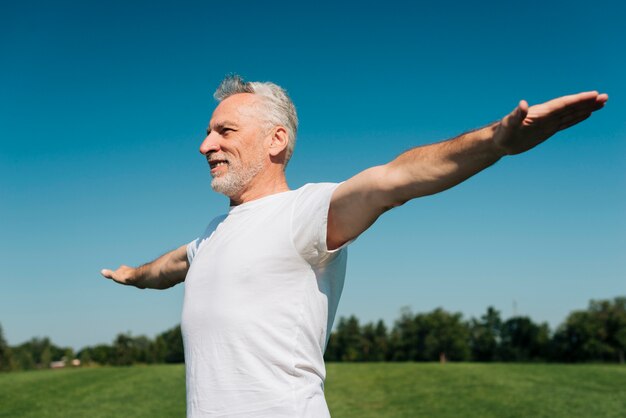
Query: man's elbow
(393, 187)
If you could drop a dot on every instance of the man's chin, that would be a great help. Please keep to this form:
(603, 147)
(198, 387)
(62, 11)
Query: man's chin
(233, 183)
(224, 186)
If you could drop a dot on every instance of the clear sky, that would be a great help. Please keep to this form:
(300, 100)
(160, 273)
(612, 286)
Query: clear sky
(103, 107)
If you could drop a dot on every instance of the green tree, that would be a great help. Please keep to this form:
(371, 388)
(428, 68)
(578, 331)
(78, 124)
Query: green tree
(432, 336)
(381, 342)
(142, 350)
(6, 355)
(367, 351)
(610, 317)
(24, 358)
(597, 334)
(373, 342)
(68, 355)
(101, 354)
(523, 340)
(350, 340)
(123, 349)
(168, 346)
(37, 353)
(445, 336)
(158, 350)
(620, 338)
(85, 357)
(485, 336)
(346, 343)
(404, 339)
(45, 356)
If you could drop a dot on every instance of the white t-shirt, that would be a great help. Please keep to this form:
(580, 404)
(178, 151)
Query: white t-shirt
(260, 299)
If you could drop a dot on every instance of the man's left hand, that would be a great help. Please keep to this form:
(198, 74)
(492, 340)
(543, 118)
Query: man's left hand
(526, 127)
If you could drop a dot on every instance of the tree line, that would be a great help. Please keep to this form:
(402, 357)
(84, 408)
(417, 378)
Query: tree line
(597, 334)
(41, 353)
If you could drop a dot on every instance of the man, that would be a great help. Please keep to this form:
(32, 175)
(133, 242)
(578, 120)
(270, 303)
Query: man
(263, 282)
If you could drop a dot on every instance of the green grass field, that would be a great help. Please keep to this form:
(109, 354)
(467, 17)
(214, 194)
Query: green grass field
(352, 390)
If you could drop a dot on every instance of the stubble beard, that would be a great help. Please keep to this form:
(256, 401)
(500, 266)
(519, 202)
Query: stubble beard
(237, 178)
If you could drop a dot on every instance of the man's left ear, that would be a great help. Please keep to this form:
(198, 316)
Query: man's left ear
(279, 141)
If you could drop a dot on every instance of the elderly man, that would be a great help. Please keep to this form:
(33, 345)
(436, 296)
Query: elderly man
(263, 282)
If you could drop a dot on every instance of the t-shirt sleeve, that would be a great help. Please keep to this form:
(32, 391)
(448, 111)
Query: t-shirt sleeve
(194, 246)
(310, 222)
(192, 249)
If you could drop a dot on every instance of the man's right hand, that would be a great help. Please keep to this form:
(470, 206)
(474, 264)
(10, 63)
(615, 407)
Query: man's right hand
(124, 275)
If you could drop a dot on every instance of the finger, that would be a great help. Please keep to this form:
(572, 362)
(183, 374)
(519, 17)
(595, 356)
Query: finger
(575, 115)
(585, 106)
(516, 117)
(570, 100)
(573, 120)
(565, 105)
(588, 108)
(107, 273)
(521, 112)
(597, 103)
(601, 101)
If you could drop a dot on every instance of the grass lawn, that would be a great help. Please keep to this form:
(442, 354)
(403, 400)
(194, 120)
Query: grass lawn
(475, 390)
(139, 391)
(352, 390)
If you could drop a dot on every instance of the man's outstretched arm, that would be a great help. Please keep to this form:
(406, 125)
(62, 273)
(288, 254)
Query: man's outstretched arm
(422, 171)
(166, 271)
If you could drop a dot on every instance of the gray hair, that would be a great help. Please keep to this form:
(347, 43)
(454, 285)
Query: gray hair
(279, 107)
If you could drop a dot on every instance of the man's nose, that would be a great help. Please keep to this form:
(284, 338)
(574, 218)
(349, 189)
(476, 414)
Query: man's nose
(210, 144)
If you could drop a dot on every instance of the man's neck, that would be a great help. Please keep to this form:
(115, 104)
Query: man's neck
(265, 184)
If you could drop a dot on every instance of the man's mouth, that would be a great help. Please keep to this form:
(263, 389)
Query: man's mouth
(216, 163)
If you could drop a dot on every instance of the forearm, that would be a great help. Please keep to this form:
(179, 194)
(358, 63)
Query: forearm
(434, 168)
(162, 273)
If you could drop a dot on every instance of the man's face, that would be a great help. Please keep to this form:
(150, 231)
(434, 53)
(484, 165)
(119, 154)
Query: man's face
(234, 144)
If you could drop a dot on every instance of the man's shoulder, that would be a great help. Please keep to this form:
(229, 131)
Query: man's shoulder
(313, 196)
(217, 220)
(317, 187)
(212, 226)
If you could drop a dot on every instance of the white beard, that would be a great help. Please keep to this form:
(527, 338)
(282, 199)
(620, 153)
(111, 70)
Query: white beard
(237, 178)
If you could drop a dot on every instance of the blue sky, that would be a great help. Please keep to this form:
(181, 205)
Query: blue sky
(103, 107)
